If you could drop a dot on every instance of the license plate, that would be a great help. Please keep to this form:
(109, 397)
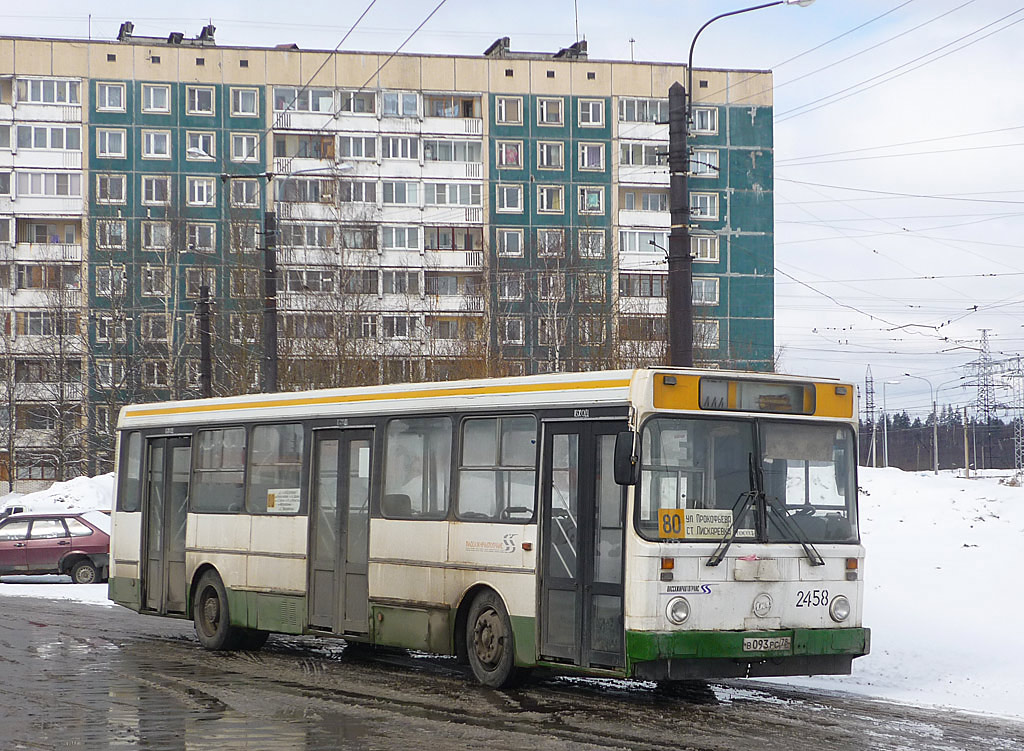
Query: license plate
(767, 644)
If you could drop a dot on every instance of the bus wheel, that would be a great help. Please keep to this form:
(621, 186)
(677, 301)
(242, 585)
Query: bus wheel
(489, 642)
(211, 617)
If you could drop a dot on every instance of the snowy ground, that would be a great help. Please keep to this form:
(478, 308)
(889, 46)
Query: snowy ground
(942, 601)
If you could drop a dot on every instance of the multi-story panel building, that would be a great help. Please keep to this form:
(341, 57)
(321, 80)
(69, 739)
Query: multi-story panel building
(437, 217)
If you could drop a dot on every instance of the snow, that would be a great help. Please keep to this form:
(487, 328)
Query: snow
(940, 596)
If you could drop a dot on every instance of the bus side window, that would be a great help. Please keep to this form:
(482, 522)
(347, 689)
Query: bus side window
(275, 469)
(497, 469)
(130, 476)
(417, 464)
(217, 479)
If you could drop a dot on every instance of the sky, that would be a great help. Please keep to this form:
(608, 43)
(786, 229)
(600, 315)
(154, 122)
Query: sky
(899, 129)
(927, 538)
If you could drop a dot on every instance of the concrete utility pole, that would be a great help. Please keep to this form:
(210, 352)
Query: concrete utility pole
(205, 358)
(269, 301)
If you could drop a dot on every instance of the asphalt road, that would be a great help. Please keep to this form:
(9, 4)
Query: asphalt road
(76, 676)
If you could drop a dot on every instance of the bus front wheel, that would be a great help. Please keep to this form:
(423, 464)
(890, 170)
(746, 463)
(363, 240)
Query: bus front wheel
(489, 642)
(211, 616)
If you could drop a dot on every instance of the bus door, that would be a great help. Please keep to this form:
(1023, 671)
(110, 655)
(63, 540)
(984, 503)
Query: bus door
(339, 531)
(582, 545)
(168, 460)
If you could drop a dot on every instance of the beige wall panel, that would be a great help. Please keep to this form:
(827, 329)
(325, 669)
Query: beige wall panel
(313, 73)
(147, 70)
(632, 80)
(34, 58)
(353, 69)
(71, 59)
(470, 74)
(6, 56)
(663, 76)
(123, 66)
(517, 83)
(401, 72)
(541, 84)
(192, 72)
(749, 88)
(437, 73)
(284, 67)
(583, 86)
(254, 75)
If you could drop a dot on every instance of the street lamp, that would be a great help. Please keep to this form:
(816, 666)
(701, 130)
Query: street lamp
(935, 423)
(885, 425)
(680, 262)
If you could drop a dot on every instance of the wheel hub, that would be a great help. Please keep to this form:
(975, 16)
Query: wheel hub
(488, 638)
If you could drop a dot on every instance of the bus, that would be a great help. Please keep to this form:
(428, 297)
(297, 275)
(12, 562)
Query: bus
(660, 524)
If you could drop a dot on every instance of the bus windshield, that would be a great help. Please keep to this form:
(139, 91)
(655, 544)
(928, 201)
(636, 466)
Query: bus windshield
(798, 486)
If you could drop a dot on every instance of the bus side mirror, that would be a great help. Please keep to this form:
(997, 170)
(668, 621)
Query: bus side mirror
(626, 461)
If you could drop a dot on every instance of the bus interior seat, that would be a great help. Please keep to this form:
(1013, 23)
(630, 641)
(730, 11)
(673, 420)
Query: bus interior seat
(396, 505)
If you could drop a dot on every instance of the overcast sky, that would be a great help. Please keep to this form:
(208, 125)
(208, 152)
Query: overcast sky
(899, 136)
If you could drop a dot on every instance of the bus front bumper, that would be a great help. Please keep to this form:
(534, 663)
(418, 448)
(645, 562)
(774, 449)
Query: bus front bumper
(680, 655)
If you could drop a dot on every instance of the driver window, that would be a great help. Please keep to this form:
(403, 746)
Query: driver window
(497, 469)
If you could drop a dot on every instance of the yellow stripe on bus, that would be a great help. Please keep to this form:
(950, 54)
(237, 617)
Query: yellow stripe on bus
(349, 398)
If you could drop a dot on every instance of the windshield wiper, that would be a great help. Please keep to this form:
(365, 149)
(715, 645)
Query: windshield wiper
(742, 504)
(788, 527)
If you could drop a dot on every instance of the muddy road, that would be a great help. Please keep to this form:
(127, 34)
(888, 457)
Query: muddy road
(78, 676)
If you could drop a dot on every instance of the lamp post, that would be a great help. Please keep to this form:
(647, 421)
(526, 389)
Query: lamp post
(680, 262)
(935, 422)
(885, 425)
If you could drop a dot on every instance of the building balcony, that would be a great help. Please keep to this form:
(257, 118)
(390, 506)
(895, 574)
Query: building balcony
(48, 113)
(44, 252)
(644, 174)
(455, 303)
(43, 206)
(35, 159)
(642, 132)
(452, 170)
(454, 259)
(71, 391)
(645, 219)
(41, 299)
(453, 126)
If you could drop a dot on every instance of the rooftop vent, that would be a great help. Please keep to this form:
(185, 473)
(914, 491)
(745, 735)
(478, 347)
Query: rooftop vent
(175, 37)
(206, 35)
(576, 51)
(500, 48)
(125, 32)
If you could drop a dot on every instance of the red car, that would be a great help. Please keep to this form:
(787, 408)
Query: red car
(59, 543)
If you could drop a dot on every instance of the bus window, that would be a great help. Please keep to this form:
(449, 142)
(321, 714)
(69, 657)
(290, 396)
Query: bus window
(275, 469)
(218, 482)
(128, 498)
(417, 468)
(496, 475)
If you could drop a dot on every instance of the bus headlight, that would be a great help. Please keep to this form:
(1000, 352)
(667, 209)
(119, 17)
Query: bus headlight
(678, 610)
(839, 609)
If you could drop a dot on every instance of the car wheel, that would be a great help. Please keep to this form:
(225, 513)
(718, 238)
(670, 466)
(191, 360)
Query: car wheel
(211, 615)
(84, 572)
(489, 642)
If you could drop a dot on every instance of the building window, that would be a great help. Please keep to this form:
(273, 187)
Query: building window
(510, 286)
(451, 106)
(154, 327)
(643, 110)
(110, 234)
(156, 98)
(43, 91)
(704, 205)
(642, 329)
(109, 329)
(549, 111)
(156, 144)
(244, 147)
(110, 280)
(643, 241)
(511, 330)
(201, 237)
(452, 194)
(199, 100)
(245, 102)
(550, 199)
(110, 97)
(196, 278)
(642, 285)
(59, 138)
(510, 154)
(109, 373)
(156, 235)
(399, 147)
(704, 248)
(510, 198)
(705, 120)
(453, 238)
(706, 333)
(401, 283)
(550, 155)
(357, 147)
(401, 238)
(351, 102)
(591, 113)
(591, 156)
(637, 153)
(590, 287)
(202, 191)
(510, 243)
(245, 192)
(551, 286)
(590, 330)
(50, 184)
(550, 242)
(508, 110)
(156, 190)
(110, 188)
(591, 243)
(401, 193)
(361, 191)
(438, 150)
(243, 236)
(110, 143)
(705, 290)
(400, 327)
(200, 145)
(704, 163)
(399, 104)
(154, 281)
(154, 373)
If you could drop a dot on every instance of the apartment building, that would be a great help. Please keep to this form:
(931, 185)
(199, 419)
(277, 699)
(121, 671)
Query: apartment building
(437, 217)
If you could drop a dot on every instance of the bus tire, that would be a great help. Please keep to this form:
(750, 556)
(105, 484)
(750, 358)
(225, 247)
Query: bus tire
(211, 615)
(489, 642)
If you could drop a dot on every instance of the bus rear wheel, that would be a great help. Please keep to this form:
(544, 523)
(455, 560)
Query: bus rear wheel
(211, 615)
(489, 642)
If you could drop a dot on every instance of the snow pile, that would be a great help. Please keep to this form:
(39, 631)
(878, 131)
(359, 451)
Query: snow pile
(79, 494)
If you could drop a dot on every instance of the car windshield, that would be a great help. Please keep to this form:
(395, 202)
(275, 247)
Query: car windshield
(798, 486)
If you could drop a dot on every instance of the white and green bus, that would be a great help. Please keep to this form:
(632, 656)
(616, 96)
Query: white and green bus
(660, 524)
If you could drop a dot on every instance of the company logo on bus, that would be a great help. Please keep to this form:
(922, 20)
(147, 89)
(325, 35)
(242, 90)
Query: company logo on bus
(507, 544)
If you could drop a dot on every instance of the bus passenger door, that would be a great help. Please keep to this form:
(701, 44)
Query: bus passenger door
(582, 527)
(168, 461)
(339, 532)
